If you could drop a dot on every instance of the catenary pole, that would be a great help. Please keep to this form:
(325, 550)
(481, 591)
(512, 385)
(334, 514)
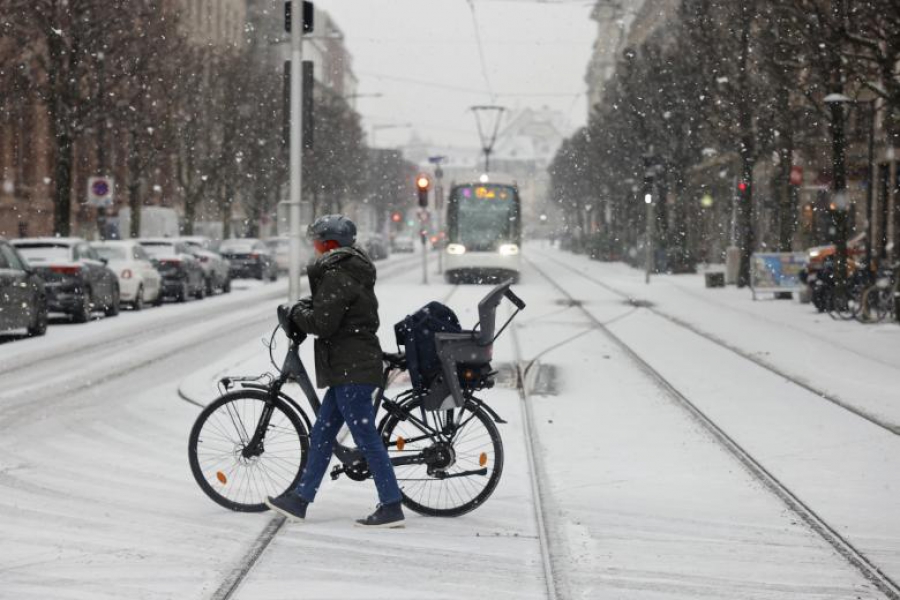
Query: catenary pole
(296, 152)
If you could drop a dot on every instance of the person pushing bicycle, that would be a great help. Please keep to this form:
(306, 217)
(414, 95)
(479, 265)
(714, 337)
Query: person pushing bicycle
(342, 312)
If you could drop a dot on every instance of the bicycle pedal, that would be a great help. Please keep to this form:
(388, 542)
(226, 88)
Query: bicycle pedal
(336, 472)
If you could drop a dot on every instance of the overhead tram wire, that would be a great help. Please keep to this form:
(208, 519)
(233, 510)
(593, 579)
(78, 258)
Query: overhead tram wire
(480, 47)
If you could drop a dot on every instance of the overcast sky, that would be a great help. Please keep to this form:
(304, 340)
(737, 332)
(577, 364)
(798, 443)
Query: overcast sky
(422, 55)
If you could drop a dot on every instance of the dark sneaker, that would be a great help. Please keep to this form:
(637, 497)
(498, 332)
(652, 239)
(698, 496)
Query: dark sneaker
(386, 515)
(290, 505)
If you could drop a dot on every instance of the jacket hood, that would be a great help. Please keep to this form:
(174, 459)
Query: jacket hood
(350, 259)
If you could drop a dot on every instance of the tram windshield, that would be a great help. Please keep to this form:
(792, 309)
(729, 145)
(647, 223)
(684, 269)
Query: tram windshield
(484, 216)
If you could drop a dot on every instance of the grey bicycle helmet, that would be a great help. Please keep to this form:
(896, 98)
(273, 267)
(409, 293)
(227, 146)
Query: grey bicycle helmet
(333, 227)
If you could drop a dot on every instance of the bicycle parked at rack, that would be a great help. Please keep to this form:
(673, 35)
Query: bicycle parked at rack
(880, 300)
(253, 441)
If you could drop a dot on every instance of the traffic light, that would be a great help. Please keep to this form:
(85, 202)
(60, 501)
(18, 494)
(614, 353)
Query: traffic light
(422, 185)
(396, 217)
(742, 186)
(308, 13)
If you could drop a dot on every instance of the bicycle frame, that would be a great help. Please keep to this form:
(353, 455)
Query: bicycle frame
(293, 370)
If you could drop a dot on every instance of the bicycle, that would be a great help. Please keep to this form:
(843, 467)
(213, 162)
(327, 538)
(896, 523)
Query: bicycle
(879, 300)
(253, 441)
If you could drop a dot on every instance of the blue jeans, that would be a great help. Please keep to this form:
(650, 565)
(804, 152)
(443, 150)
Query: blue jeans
(353, 404)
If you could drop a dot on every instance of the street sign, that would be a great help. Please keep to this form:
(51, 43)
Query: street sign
(100, 191)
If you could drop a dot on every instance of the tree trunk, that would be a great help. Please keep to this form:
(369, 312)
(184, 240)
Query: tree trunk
(134, 200)
(62, 200)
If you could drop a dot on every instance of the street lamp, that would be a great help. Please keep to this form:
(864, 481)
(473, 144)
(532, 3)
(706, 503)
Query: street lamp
(870, 174)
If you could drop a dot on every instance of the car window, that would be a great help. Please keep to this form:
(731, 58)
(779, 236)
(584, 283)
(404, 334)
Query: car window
(8, 258)
(111, 252)
(83, 252)
(158, 249)
(42, 253)
(140, 254)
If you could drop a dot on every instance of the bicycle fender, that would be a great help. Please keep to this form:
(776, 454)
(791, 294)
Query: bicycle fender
(287, 400)
(481, 404)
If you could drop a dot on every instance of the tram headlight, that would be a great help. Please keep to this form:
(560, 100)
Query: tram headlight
(509, 249)
(456, 249)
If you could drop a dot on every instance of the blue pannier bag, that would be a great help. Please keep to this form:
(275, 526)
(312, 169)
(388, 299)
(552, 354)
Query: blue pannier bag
(416, 334)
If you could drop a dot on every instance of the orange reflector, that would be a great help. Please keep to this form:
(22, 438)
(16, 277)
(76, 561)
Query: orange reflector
(221, 477)
(482, 460)
(400, 443)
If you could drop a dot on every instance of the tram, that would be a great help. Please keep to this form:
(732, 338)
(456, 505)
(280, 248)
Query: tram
(484, 232)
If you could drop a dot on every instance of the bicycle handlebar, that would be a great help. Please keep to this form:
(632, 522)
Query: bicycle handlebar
(511, 296)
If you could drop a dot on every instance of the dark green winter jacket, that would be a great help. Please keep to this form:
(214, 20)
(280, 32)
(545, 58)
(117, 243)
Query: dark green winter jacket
(343, 315)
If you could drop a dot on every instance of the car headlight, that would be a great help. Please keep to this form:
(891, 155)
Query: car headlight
(509, 249)
(456, 249)
(813, 253)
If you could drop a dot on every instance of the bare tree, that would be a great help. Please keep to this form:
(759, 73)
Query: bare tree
(74, 56)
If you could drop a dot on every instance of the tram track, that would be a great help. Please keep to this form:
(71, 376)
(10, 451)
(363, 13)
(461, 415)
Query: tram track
(840, 544)
(536, 471)
(863, 414)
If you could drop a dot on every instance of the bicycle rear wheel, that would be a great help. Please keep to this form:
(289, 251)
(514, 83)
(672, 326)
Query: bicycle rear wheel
(463, 453)
(221, 435)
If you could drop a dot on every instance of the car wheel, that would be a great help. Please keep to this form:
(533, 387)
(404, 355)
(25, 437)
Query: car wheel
(226, 288)
(159, 297)
(274, 275)
(138, 303)
(182, 295)
(39, 326)
(83, 312)
(210, 288)
(112, 309)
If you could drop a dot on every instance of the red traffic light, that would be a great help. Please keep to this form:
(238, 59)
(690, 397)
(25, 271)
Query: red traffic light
(742, 186)
(396, 217)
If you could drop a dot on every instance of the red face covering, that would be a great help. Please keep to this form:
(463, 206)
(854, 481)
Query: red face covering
(323, 246)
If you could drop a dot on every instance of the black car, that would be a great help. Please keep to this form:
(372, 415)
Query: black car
(182, 274)
(249, 257)
(77, 281)
(23, 301)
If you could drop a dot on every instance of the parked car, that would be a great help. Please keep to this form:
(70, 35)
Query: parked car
(374, 245)
(215, 267)
(140, 283)
(280, 248)
(249, 257)
(404, 243)
(76, 279)
(182, 275)
(23, 300)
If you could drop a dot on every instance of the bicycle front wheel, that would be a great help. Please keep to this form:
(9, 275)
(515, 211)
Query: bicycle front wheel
(226, 471)
(461, 453)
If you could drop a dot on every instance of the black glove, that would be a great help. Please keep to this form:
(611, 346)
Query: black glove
(303, 304)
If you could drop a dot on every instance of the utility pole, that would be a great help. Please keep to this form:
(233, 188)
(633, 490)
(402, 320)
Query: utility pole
(648, 263)
(296, 150)
(439, 206)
